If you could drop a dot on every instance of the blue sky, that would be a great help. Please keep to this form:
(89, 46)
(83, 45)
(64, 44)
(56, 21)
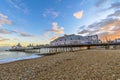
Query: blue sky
(40, 21)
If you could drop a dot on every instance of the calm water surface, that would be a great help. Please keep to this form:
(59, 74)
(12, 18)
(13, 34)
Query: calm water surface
(6, 56)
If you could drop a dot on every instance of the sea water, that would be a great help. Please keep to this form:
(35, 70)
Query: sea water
(7, 56)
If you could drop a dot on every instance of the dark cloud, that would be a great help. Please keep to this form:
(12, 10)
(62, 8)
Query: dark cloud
(83, 31)
(108, 25)
(102, 23)
(4, 31)
(115, 5)
(24, 34)
(115, 14)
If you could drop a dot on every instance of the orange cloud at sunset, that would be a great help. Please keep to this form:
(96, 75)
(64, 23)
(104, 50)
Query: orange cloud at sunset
(78, 15)
(108, 27)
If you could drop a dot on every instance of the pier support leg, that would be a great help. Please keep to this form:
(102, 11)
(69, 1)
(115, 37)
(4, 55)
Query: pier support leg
(71, 49)
(107, 47)
(88, 47)
(115, 47)
(39, 50)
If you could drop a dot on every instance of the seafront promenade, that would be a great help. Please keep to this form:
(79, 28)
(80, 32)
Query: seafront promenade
(78, 65)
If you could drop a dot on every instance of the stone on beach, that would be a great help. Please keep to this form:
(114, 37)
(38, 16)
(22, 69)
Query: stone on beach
(80, 65)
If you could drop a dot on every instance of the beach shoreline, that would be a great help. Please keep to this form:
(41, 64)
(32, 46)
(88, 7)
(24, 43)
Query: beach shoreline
(77, 65)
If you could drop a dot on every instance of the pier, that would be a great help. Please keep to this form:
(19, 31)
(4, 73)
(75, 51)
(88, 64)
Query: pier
(65, 48)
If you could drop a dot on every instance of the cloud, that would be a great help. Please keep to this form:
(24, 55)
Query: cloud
(115, 5)
(24, 34)
(105, 27)
(84, 31)
(51, 12)
(3, 39)
(55, 31)
(15, 39)
(4, 31)
(19, 5)
(4, 20)
(54, 37)
(102, 23)
(78, 15)
(115, 14)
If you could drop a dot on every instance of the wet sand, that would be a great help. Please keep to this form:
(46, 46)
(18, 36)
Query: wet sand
(79, 65)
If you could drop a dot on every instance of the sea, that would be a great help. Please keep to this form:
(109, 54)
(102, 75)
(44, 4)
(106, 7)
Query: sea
(9, 56)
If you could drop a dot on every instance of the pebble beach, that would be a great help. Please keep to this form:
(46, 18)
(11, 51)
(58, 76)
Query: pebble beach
(78, 65)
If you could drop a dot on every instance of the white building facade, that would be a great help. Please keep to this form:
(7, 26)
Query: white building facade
(75, 39)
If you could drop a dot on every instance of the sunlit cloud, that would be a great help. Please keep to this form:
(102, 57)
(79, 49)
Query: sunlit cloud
(105, 24)
(56, 30)
(54, 37)
(50, 12)
(4, 20)
(78, 15)
(2, 39)
(110, 26)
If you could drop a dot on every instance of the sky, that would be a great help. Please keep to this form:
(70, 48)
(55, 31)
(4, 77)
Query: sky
(41, 21)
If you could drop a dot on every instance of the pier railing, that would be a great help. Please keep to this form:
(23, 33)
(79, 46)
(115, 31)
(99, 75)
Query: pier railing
(50, 49)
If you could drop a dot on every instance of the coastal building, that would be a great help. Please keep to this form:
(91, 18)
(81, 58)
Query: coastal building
(117, 40)
(17, 47)
(75, 39)
(30, 46)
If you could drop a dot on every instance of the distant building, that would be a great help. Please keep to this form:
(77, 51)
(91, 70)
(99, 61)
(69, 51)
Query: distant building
(75, 39)
(18, 46)
(117, 40)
